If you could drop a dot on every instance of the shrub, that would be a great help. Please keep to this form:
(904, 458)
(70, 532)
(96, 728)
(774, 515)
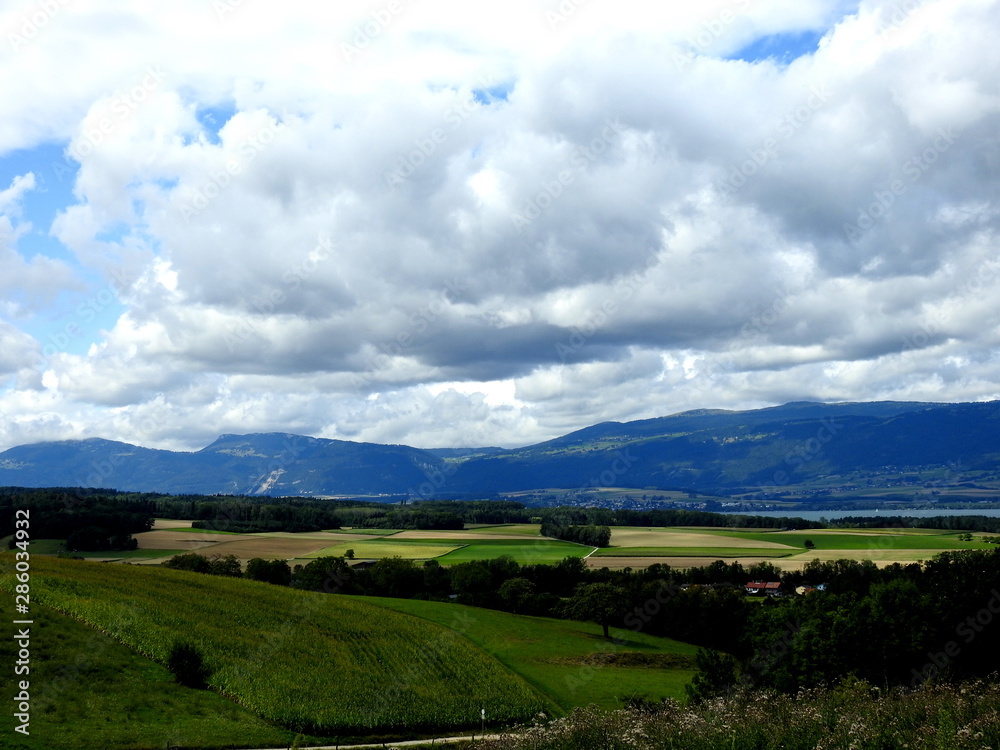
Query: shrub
(188, 666)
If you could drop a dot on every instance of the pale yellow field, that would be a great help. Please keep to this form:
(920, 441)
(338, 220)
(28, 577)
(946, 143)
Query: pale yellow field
(325, 536)
(267, 547)
(180, 539)
(880, 557)
(169, 523)
(459, 537)
(631, 537)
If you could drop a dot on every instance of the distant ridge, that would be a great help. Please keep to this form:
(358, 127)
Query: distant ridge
(701, 450)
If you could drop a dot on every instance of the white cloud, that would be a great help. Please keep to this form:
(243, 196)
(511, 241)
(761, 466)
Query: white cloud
(366, 244)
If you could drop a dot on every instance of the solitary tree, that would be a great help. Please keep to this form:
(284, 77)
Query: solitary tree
(516, 593)
(599, 602)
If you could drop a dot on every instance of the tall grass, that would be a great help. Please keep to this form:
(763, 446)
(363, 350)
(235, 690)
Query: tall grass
(853, 716)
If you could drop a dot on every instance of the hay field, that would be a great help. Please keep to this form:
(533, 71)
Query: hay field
(626, 536)
(459, 537)
(179, 538)
(170, 523)
(377, 549)
(268, 547)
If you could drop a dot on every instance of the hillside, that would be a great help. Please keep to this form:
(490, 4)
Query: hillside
(568, 662)
(332, 666)
(83, 676)
(709, 451)
(731, 451)
(305, 661)
(264, 464)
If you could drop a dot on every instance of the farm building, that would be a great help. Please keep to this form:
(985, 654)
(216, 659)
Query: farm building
(765, 588)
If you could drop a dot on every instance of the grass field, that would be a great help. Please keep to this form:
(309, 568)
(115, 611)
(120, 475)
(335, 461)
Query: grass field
(860, 540)
(524, 552)
(569, 662)
(88, 690)
(322, 663)
(710, 552)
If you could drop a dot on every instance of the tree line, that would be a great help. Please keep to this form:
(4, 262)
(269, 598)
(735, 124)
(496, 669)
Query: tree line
(88, 521)
(946, 523)
(592, 536)
(59, 510)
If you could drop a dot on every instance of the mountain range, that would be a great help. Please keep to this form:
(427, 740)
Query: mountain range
(706, 450)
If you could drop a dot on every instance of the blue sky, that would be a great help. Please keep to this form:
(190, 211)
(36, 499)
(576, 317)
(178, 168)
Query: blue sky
(782, 48)
(72, 319)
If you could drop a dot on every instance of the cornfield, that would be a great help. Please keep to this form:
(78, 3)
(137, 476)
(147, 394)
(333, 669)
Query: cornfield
(310, 662)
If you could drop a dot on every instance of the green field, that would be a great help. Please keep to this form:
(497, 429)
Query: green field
(542, 550)
(89, 690)
(372, 532)
(860, 540)
(709, 552)
(569, 662)
(321, 663)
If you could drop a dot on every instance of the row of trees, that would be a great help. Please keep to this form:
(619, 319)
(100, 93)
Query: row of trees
(592, 536)
(87, 520)
(948, 523)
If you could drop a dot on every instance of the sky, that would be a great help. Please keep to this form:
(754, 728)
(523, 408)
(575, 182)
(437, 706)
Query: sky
(450, 224)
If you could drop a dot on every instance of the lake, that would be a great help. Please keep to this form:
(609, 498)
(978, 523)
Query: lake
(816, 515)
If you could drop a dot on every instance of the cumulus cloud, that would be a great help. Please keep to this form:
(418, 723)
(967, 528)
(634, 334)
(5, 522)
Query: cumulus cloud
(416, 225)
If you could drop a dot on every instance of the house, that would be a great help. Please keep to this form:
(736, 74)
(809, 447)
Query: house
(774, 588)
(765, 588)
(361, 564)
